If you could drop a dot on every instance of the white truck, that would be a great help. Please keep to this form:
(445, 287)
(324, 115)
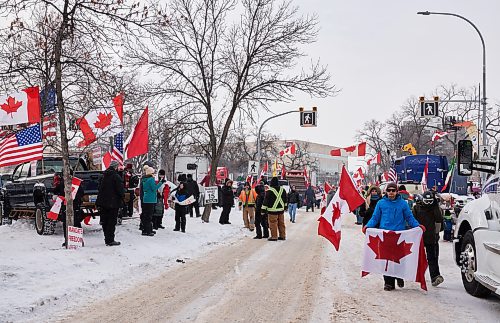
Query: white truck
(477, 232)
(196, 165)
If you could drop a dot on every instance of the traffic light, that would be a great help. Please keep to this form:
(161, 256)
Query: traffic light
(464, 157)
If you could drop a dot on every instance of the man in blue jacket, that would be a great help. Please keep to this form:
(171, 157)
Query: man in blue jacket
(392, 213)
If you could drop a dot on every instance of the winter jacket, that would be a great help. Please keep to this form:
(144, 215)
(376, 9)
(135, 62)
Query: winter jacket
(261, 193)
(149, 188)
(227, 196)
(310, 196)
(367, 209)
(248, 198)
(111, 190)
(270, 199)
(392, 215)
(428, 216)
(293, 197)
(330, 195)
(192, 188)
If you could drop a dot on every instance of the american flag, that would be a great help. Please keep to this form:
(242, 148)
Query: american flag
(117, 153)
(50, 125)
(393, 176)
(22, 146)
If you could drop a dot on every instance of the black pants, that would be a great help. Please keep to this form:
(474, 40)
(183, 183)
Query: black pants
(157, 221)
(310, 205)
(261, 225)
(432, 252)
(391, 281)
(147, 217)
(108, 222)
(196, 207)
(180, 217)
(130, 203)
(224, 216)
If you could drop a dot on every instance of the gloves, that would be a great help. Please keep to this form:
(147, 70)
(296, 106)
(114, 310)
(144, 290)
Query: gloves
(364, 229)
(422, 227)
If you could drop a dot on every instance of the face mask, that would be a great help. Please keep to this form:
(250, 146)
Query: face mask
(374, 197)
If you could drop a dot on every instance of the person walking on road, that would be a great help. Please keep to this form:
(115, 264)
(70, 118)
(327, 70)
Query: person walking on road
(109, 200)
(310, 198)
(274, 203)
(227, 201)
(247, 198)
(181, 194)
(429, 214)
(392, 213)
(193, 189)
(293, 201)
(149, 199)
(261, 224)
(374, 195)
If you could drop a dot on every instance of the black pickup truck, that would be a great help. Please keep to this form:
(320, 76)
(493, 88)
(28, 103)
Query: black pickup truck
(30, 191)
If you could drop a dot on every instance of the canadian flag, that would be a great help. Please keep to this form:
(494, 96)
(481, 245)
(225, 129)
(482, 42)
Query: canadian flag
(20, 107)
(327, 187)
(358, 176)
(288, 150)
(351, 151)
(398, 254)
(106, 160)
(283, 171)
(137, 142)
(438, 135)
(345, 200)
(56, 208)
(306, 177)
(425, 176)
(75, 185)
(101, 122)
(374, 160)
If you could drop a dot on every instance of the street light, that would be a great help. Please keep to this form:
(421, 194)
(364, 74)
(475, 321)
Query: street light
(260, 129)
(483, 101)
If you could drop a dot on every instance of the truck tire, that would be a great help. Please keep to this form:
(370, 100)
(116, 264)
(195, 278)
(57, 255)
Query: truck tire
(43, 225)
(468, 264)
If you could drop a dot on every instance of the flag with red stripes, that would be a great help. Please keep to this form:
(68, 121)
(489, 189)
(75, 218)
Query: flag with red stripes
(22, 146)
(49, 125)
(117, 153)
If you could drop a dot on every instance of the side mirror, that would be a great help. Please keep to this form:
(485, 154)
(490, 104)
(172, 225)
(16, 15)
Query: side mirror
(464, 157)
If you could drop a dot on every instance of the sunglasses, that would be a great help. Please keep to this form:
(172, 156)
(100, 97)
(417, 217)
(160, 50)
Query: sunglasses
(391, 190)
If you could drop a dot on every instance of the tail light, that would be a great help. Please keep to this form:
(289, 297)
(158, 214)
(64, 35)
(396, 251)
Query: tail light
(56, 180)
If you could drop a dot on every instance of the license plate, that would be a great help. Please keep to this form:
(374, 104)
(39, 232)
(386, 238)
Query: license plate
(92, 198)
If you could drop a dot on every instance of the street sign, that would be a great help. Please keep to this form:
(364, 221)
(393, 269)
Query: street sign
(308, 118)
(253, 167)
(429, 109)
(211, 195)
(484, 152)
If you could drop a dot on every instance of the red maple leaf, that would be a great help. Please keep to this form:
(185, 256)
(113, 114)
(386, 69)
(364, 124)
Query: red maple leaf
(389, 249)
(11, 106)
(335, 212)
(104, 120)
(350, 149)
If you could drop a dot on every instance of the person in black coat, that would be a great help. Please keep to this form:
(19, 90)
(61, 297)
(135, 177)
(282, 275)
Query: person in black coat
(193, 189)
(227, 201)
(367, 208)
(78, 215)
(310, 198)
(429, 214)
(261, 225)
(109, 200)
(293, 201)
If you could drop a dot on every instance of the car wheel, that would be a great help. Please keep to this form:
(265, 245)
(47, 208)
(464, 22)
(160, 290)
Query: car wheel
(468, 265)
(43, 225)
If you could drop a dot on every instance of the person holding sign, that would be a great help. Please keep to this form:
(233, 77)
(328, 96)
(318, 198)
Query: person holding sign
(181, 196)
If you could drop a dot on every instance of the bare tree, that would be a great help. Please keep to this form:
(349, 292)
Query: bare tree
(216, 68)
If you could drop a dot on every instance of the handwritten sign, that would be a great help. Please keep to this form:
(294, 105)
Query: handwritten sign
(75, 237)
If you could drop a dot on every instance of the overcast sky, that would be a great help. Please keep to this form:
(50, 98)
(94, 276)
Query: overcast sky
(381, 52)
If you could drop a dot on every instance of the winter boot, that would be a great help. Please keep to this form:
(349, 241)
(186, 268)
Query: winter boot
(438, 280)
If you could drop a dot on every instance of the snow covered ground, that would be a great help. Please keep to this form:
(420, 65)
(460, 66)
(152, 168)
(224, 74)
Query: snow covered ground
(38, 277)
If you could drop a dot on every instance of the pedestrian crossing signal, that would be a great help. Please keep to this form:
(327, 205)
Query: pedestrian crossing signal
(429, 109)
(308, 118)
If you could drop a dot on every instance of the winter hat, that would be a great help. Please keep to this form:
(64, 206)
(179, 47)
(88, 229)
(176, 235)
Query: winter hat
(161, 172)
(114, 164)
(275, 182)
(227, 180)
(129, 166)
(391, 185)
(150, 171)
(402, 187)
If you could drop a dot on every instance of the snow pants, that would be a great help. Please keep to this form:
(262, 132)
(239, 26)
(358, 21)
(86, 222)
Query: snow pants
(277, 224)
(249, 217)
(431, 250)
(261, 223)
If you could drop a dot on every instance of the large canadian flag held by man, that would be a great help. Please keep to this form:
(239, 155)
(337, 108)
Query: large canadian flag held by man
(345, 200)
(20, 107)
(137, 142)
(398, 254)
(351, 151)
(101, 122)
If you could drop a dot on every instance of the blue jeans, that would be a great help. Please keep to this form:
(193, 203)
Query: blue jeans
(292, 210)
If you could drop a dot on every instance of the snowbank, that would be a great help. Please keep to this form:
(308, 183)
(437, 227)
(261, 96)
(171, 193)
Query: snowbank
(38, 277)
